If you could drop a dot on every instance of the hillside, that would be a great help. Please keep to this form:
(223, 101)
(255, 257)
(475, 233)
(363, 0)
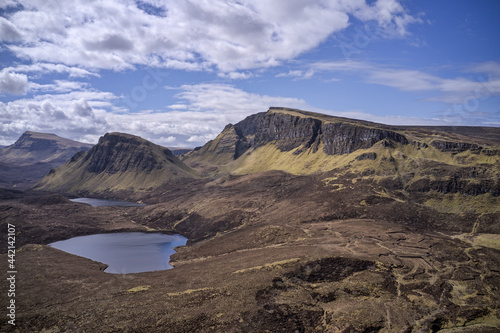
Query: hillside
(119, 162)
(32, 156)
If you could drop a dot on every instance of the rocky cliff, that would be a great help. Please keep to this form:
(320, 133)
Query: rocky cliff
(293, 130)
(119, 162)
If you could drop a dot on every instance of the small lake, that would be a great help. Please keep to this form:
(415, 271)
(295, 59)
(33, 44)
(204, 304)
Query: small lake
(125, 252)
(107, 203)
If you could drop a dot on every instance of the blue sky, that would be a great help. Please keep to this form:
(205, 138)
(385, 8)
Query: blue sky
(176, 72)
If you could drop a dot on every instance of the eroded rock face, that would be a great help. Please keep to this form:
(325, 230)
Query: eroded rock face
(455, 147)
(290, 132)
(119, 162)
(118, 153)
(341, 138)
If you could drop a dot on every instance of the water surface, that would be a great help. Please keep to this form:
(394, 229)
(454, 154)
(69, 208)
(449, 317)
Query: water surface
(107, 203)
(125, 252)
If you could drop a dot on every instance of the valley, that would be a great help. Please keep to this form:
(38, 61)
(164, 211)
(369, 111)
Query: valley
(295, 221)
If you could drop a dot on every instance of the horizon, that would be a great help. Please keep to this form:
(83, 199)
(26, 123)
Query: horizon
(175, 73)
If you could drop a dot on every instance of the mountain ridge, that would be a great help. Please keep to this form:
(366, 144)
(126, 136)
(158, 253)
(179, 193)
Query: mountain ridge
(34, 147)
(303, 142)
(118, 162)
(33, 155)
(298, 142)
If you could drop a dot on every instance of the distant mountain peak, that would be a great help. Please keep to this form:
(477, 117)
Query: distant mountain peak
(33, 155)
(34, 147)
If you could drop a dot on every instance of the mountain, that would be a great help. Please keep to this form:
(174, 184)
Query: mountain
(446, 159)
(178, 151)
(32, 156)
(119, 162)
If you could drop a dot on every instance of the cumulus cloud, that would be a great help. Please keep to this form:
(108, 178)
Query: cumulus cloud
(13, 83)
(73, 115)
(81, 108)
(202, 112)
(186, 34)
(113, 42)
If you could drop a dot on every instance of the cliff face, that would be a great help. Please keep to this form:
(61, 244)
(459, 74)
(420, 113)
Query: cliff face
(291, 132)
(119, 162)
(120, 153)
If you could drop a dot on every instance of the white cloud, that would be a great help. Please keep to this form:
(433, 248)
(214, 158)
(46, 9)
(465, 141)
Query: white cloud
(44, 68)
(390, 15)
(70, 115)
(235, 75)
(186, 34)
(166, 140)
(202, 112)
(58, 86)
(13, 83)
(298, 74)
(488, 67)
(457, 90)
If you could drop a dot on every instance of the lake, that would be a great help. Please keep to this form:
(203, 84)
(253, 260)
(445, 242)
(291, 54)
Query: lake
(125, 252)
(107, 203)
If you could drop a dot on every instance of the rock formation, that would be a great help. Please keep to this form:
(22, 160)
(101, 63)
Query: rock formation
(119, 162)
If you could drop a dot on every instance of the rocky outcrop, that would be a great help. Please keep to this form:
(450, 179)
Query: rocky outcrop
(226, 147)
(116, 153)
(455, 147)
(445, 179)
(342, 138)
(119, 162)
(290, 132)
(367, 156)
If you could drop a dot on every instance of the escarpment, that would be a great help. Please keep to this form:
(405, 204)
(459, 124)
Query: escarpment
(119, 162)
(300, 142)
(296, 131)
(292, 131)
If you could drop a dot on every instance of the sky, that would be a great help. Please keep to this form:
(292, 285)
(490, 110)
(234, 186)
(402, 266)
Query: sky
(176, 72)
